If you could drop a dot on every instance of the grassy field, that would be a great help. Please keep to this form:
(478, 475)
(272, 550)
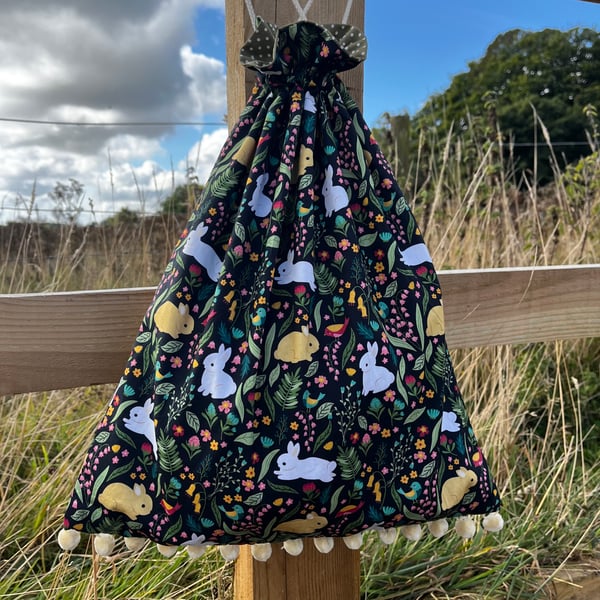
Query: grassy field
(535, 407)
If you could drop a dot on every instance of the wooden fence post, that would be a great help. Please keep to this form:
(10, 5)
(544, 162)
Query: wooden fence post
(311, 575)
(238, 29)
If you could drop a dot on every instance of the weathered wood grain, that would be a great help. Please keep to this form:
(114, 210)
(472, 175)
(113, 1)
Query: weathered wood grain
(63, 340)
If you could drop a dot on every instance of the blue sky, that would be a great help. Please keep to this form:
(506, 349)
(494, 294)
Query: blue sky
(415, 48)
(160, 61)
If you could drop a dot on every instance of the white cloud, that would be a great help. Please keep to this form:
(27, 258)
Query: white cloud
(203, 154)
(109, 61)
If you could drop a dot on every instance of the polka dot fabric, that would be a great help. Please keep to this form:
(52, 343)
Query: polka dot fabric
(291, 377)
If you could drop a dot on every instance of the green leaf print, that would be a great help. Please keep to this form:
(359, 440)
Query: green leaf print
(164, 389)
(312, 369)
(143, 337)
(266, 463)
(428, 469)
(391, 290)
(325, 410)
(367, 240)
(324, 436)
(173, 530)
(172, 346)
(102, 437)
(168, 457)
(247, 438)
(254, 500)
(98, 484)
(192, 420)
(349, 463)
(240, 232)
(287, 393)
(391, 255)
(80, 514)
(414, 415)
(325, 280)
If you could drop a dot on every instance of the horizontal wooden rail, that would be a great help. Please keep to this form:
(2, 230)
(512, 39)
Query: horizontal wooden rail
(72, 339)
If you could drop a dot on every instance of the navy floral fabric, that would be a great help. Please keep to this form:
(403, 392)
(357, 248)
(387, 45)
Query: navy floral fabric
(291, 377)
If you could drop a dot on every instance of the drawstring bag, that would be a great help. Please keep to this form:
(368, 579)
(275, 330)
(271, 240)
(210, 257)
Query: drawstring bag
(291, 378)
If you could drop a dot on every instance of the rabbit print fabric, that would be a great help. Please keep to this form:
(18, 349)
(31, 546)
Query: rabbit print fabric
(291, 377)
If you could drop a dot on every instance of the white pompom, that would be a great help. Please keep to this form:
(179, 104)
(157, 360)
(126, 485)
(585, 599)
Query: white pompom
(293, 547)
(465, 527)
(195, 550)
(229, 552)
(493, 522)
(134, 544)
(323, 544)
(261, 552)
(354, 542)
(388, 536)
(438, 528)
(68, 539)
(412, 532)
(167, 551)
(104, 544)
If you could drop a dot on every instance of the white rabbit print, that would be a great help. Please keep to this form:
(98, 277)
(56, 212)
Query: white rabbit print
(203, 252)
(415, 255)
(309, 103)
(336, 197)
(449, 422)
(215, 382)
(260, 203)
(375, 378)
(291, 466)
(140, 421)
(299, 272)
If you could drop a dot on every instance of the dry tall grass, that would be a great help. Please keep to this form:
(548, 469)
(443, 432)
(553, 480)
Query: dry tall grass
(534, 407)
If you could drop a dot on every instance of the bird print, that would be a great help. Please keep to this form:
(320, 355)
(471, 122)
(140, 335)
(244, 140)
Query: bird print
(336, 330)
(259, 317)
(414, 492)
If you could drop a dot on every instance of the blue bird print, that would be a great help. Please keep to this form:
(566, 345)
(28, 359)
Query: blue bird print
(414, 492)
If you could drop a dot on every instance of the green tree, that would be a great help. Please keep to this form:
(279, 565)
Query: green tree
(183, 199)
(552, 74)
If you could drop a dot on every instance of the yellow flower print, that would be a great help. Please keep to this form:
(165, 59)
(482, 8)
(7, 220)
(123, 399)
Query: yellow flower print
(413, 474)
(138, 349)
(253, 256)
(386, 433)
(250, 473)
(404, 479)
(420, 444)
(266, 420)
(430, 393)
(296, 96)
(214, 445)
(137, 372)
(212, 211)
(379, 218)
(293, 425)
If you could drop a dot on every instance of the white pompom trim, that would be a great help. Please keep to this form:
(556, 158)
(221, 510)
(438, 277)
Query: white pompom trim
(388, 536)
(167, 551)
(104, 544)
(465, 527)
(261, 552)
(354, 542)
(293, 547)
(493, 522)
(195, 551)
(135, 544)
(68, 539)
(323, 544)
(412, 532)
(438, 528)
(229, 552)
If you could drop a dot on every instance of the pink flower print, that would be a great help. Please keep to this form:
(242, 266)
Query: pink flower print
(206, 435)
(248, 485)
(176, 362)
(225, 406)
(321, 381)
(375, 428)
(420, 456)
(194, 441)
